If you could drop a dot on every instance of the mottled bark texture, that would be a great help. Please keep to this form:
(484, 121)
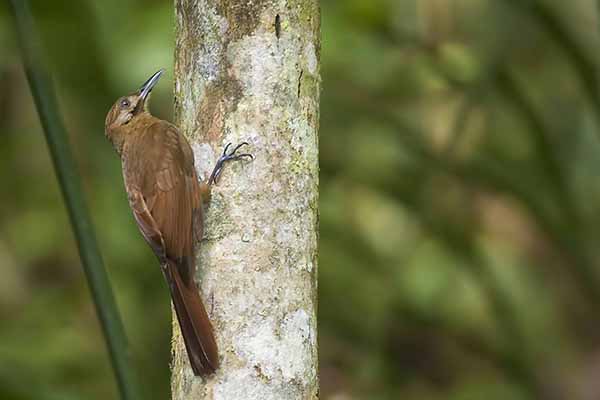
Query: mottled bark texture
(249, 71)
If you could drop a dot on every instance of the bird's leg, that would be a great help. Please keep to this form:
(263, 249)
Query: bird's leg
(205, 193)
(214, 176)
(205, 187)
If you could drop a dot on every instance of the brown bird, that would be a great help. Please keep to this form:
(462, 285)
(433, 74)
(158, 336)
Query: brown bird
(167, 200)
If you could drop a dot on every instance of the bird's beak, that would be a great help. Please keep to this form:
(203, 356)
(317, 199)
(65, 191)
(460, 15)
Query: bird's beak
(149, 84)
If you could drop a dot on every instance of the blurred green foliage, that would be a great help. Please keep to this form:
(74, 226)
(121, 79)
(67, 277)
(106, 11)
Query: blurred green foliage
(460, 201)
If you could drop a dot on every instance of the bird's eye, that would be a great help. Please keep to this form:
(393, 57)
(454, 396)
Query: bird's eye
(125, 103)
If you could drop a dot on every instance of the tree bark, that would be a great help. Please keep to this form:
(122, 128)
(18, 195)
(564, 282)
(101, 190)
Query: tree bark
(249, 71)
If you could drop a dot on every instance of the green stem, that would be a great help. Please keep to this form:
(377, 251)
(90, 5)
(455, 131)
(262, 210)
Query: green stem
(68, 177)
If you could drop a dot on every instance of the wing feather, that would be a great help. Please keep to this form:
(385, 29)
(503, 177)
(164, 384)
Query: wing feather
(163, 189)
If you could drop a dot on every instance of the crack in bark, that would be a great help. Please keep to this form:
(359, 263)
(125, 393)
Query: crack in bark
(277, 25)
(300, 82)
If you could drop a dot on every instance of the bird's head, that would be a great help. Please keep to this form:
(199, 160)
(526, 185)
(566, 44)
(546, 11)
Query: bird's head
(126, 108)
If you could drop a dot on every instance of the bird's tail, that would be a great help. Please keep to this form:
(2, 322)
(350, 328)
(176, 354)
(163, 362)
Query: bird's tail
(196, 328)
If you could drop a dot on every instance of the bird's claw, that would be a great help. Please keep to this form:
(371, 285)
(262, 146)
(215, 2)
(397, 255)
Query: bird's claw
(225, 156)
(232, 156)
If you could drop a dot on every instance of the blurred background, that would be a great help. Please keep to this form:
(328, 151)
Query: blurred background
(460, 201)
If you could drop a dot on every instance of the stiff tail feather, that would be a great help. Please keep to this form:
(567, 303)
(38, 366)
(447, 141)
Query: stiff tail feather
(196, 328)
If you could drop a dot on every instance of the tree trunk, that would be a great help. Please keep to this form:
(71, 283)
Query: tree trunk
(249, 71)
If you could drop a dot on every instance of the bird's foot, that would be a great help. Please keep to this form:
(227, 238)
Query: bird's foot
(214, 176)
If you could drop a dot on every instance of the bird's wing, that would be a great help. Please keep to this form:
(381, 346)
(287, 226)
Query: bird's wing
(163, 189)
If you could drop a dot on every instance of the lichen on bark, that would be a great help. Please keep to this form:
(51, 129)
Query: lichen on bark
(249, 71)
